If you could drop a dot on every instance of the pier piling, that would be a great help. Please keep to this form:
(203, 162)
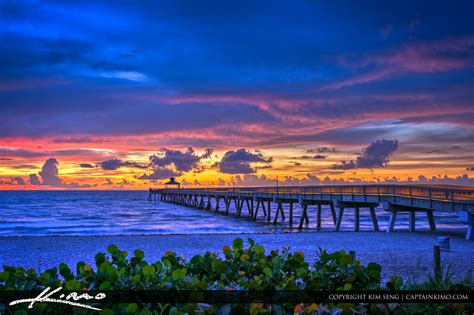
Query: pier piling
(395, 198)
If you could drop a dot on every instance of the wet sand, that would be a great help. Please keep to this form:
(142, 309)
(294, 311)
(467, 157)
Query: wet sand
(409, 255)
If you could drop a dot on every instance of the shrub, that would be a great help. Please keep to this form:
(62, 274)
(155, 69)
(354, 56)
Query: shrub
(238, 268)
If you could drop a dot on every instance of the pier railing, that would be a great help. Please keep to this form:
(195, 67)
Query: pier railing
(420, 192)
(395, 198)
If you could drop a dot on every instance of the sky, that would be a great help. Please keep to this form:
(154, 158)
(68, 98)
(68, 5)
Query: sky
(125, 94)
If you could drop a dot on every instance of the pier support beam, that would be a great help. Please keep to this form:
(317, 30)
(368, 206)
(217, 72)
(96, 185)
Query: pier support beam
(261, 202)
(218, 200)
(305, 202)
(248, 201)
(395, 208)
(343, 204)
(468, 218)
(280, 202)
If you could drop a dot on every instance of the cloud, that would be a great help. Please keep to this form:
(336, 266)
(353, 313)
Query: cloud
(374, 156)
(239, 162)
(248, 180)
(49, 173)
(160, 173)
(50, 177)
(19, 180)
(440, 55)
(34, 179)
(135, 115)
(86, 165)
(443, 151)
(174, 162)
(314, 157)
(182, 161)
(344, 165)
(323, 150)
(470, 168)
(262, 180)
(26, 153)
(113, 164)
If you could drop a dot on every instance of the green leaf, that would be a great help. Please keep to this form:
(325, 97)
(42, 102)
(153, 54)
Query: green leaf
(301, 272)
(347, 286)
(99, 259)
(267, 271)
(238, 244)
(73, 285)
(132, 308)
(251, 241)
(219, 266)
(136, 278)
(179, 274)
(346, 259)
(105, 286)
(197, 259)
(166, 262)
(46, 276)
(145, 311)
(149, 270)
(259, 249)
(139, 254)
(374, 274)
(374, 266)
(291, 285)
(106, 311)
(4, 275)
(113, 250)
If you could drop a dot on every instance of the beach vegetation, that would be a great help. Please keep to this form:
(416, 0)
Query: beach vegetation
(236, 268)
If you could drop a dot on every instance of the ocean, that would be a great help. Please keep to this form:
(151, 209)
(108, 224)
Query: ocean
(69, 213)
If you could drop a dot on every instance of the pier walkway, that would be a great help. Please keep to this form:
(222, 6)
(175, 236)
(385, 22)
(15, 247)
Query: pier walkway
(394, 198)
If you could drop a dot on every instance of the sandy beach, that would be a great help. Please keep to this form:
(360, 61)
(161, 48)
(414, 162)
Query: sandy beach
(409, 255)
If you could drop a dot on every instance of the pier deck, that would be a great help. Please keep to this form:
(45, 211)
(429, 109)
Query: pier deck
(395, 198)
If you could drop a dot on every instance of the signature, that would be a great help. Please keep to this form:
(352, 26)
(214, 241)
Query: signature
(47, 297)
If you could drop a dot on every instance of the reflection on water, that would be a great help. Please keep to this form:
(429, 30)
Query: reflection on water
(31, 213)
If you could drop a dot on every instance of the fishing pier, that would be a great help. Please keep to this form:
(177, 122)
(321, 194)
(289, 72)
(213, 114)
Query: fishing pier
(395, 199)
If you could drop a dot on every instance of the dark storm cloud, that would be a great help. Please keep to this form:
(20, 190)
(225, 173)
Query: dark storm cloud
(313, 157)
(323, 150)
(160, 173)
(239, 162)
(19, 180)
(86, 165)
(34, 179)
(50, 174)
(374, 156)
(182, 161)
(113, 164)
(174, 162)
(444, 151)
